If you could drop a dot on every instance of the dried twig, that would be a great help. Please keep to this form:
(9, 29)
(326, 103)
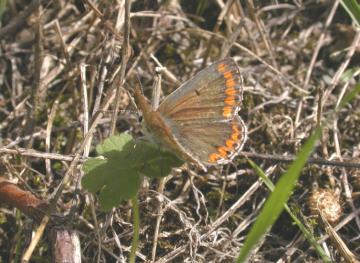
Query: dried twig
(320, 43)
(119, 79)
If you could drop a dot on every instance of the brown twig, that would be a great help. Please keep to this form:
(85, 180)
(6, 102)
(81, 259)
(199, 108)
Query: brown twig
(320, 43)
(268, 157)
(344, 65)
(338, 242)
(37, 154)
(48, 135)
(219, 21)
(12, 195)
(161, 185)
(260, 26)
(35, 240)
(124, 59)
(247, 28)
(229, 42)
(289, 159)
(107, 24)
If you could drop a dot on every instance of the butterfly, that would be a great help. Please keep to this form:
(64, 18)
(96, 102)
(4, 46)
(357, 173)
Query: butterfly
(199, 121)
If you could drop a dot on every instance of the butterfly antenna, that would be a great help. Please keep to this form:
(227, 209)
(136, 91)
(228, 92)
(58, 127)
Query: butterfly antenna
(119, 111)
(139, 82)
(138, 85)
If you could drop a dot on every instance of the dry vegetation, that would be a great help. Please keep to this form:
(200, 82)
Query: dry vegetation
(61, 62)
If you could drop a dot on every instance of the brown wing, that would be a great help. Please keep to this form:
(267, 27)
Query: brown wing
(214, 93)
(214, 142)
(203, 113)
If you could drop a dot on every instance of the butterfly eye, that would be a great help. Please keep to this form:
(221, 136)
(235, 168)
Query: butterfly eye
(140, 118)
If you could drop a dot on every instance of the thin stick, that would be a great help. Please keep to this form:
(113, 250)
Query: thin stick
(338, 242)
(289, 159)
(107, 24)
(48, 135)
(228, 43)
(269, 157)
(220, 19)
(124, 59)
(85, 106)
(320, 43)
(260, 26)
(160, 213)
(161, 186)
(167, 73)
(38, 234)
(87, 150)
(343, 66)
(254, 43)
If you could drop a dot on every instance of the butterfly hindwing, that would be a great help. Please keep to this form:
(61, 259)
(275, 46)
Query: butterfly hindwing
(212, 143)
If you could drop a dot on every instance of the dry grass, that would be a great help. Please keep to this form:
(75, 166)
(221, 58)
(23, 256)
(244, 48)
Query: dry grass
(61, 64)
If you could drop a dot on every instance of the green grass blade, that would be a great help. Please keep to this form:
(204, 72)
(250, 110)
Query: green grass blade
(275, 203)
(308, 235)
(353, 9)
(349, 96)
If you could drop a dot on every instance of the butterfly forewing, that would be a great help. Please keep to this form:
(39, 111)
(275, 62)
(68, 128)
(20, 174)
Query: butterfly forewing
(214, 93)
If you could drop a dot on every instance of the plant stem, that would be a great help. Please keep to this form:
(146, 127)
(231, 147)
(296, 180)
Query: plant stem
(136, 219)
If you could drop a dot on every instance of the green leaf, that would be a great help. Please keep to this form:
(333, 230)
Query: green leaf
(275, 203)
(91, 181)
(117, 176)
(114, 178)
(349, 73)
(353, 9)
(350, 95)
(155, 162)
(113, 143)
(124, 186)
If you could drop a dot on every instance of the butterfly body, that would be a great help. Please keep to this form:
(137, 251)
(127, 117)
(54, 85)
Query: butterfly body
(199, 121)
(158, 129)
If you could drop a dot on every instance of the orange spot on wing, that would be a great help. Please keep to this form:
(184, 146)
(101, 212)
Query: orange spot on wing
(214, 157)
(227, 111)
(235, 127)
(222, 151)
(236, 133)
(230, 83)
(230, 100)
(228, 75)
(221, 67)
(230, 144)
(230, 91)
(234, 136)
